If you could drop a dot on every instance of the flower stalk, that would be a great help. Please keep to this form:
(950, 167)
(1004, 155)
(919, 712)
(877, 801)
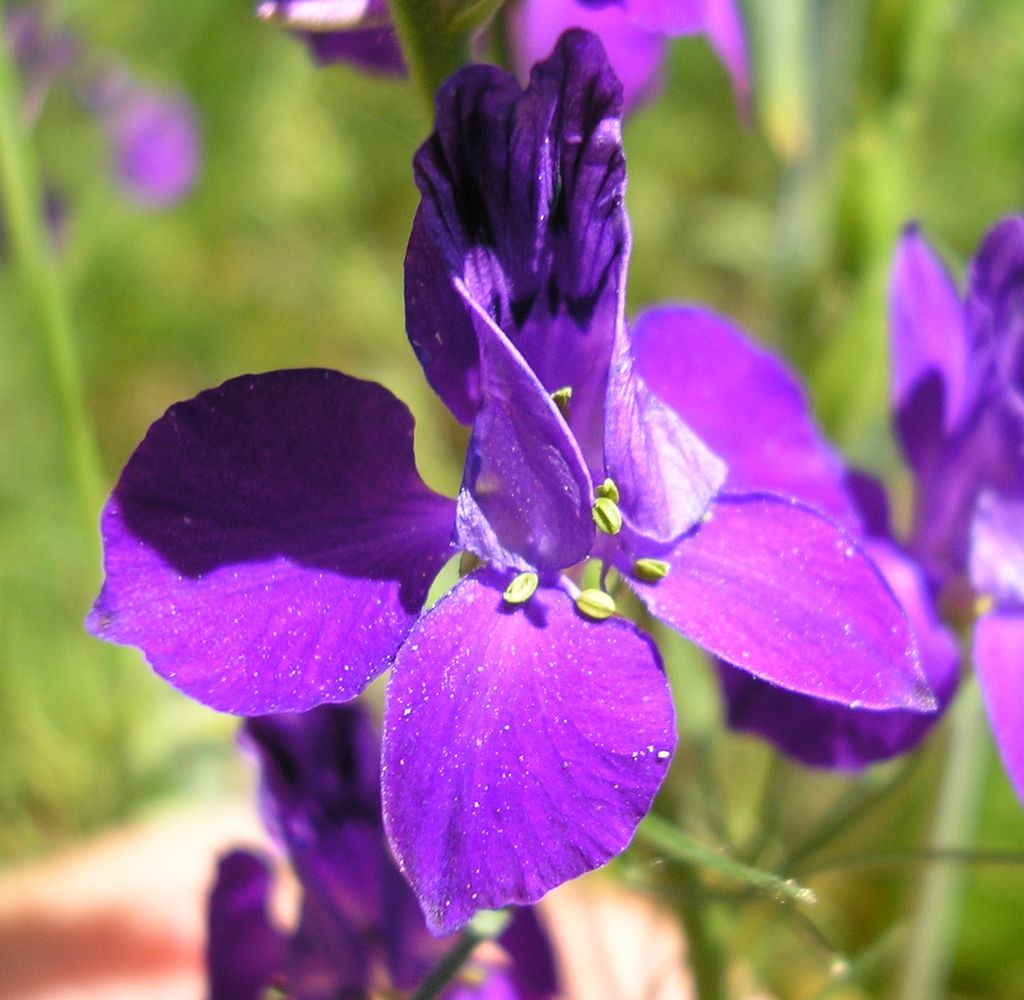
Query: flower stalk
(432, 45)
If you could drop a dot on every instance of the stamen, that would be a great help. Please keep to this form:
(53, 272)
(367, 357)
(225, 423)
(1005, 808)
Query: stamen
(607, 515)
(607, 489)
(595, 604)
(651, 570)
(983, 604)
(521, 589)
(561, 397)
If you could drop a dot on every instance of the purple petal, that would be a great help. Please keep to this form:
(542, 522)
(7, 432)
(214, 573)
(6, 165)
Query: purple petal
(270, 543)
(669, 17)
(726, 33)
(824, 734)
(373, 50)
(533, 962)
(735, 387)
(997, 548)
(244, 951)
(777, 590)
(929, 346)
(995, 304)
(522, 202)
(156, 146)
(522, 746)
(665, 474)
(635, 53)
(526, 494)
(998, 641)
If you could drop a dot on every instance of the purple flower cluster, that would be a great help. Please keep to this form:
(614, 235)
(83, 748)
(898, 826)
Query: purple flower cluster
(270, 545)
(153, 135)
(359, 932)
(634, 33)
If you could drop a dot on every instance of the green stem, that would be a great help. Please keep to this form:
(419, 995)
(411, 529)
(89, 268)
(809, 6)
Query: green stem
(663, 836)
(487, 924)
(433, 47)
(933, 939)
(707, 961)
(30, 241)
(918, 856)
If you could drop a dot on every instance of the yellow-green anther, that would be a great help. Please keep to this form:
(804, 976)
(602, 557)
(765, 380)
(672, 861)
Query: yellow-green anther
(608, 489)
(596, 604)
(561, 397)
(521, 589)
(651, 570)
(607, 515)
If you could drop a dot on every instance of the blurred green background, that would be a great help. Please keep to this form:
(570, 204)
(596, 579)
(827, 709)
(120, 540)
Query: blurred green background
(289, 253)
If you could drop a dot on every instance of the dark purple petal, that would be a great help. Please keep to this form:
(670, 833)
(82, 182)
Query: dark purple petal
(666, 475)
(522, 746)
(533, 962)
(526, 494)
(998, 642)
(929, 349)
(156, 146)
(995, 308)
(824, 734)
(373, 50)
(523, 204)
(244, 951)
(270, 543)
(997, 548)
(744, 403)
(635, 53)
(776, 589)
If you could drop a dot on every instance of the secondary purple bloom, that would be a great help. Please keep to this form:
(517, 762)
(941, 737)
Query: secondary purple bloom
(360, 930)
(634, 34)
(270, 544)
(736, 387)
(958, 388)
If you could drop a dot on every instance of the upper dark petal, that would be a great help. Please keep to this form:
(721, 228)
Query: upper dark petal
(244, 951)
(374, 50)
(523, 202)
(269, 543)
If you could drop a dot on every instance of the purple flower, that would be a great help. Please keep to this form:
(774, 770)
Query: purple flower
(739, 386)
(155, 140)
(270, 545)
(634, 33)
(359, 925)
(958, 389)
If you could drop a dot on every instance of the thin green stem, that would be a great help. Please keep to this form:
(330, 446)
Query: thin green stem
(433, 46)
(707, 961)
(485, 925)
(663, 836)
(933, 937)
(30, 241)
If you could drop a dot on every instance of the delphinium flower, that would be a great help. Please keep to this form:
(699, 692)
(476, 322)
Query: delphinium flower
(359, 931)
(958, 392)
(634, 33)
(270, 545)
(739, 386)
(153, 134)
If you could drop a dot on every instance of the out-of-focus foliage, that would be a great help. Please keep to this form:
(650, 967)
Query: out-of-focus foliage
(289, 253)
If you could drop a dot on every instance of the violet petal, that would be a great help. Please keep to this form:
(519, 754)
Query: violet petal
(825, 734)
(776, 589)
(526, 493)
(665, 474)
(998, 641)
(522, 746)
(270, 543)
(244, 951)
(635, 53)
(744, 403)
(929, 346)
(997, 548)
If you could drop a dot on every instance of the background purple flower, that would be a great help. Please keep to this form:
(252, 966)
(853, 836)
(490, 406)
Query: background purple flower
(958, 390)
(360, 929)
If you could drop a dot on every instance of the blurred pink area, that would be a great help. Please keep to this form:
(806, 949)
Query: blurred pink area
(123, 917)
